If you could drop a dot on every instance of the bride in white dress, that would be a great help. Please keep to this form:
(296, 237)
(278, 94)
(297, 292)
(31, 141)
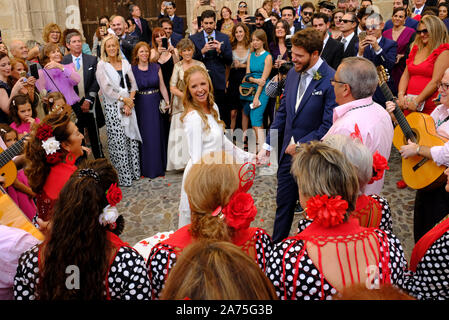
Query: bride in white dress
(203, 129)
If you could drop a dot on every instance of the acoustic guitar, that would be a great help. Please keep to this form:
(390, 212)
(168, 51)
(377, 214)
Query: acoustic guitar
(12, 216)
(8, 169)
(418, 172)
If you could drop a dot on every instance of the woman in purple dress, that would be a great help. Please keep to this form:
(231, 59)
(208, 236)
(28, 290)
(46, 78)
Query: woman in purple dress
(404, 36)
(153, 156)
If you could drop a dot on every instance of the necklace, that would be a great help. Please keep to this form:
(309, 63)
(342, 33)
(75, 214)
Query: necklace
(360, 107)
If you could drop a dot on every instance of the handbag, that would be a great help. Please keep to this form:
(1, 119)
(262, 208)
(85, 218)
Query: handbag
(247, 89)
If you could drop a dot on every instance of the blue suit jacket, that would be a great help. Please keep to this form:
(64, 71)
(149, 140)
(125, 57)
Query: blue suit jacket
(386, 58)
(215, 63)
(313, 118)
(175, 38)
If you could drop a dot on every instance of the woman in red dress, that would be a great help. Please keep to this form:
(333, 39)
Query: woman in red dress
(427, 61)
(51, 152)
(222, 210)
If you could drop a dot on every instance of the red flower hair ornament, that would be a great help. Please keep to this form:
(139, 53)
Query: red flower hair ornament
(240, 211)
(327, 211)
(110, 212)
(51, 146)
(380, 164)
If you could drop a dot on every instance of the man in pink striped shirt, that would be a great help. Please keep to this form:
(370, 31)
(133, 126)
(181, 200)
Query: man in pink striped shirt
(355, 82)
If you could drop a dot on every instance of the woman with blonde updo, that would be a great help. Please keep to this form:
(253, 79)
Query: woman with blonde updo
(222, 210)
(203, 128)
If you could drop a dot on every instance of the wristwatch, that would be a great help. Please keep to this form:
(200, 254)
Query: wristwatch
(120, 99)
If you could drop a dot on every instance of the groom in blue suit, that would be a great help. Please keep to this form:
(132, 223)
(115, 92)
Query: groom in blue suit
(305, 114)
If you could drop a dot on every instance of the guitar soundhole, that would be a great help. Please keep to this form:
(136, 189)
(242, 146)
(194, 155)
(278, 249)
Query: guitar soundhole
(415, 137)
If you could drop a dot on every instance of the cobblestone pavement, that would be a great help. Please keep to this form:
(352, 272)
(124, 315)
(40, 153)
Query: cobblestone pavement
(151, 205)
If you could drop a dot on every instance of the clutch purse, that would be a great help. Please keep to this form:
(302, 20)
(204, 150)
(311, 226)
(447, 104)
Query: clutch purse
(247, 89)
(163, 108)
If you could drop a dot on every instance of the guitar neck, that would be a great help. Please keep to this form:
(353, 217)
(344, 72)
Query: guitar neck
(8, 154)
(400, 117)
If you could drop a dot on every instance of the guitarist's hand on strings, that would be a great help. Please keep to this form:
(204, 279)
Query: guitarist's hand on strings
(409, 150)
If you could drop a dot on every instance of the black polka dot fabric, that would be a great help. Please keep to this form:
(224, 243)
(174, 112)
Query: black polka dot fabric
(310, 284)
(127, 277)
(431, 279)
(163, 257)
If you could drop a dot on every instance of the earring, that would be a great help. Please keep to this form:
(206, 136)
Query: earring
(70, 158)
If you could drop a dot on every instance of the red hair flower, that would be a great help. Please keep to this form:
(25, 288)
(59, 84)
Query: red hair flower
(44, 132)
(54, 158)
(240, 211)
(326, 211)
(380, 164)
(114, 195)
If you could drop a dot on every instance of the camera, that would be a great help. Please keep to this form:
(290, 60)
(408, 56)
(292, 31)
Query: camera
(288, 44)
(285, 67)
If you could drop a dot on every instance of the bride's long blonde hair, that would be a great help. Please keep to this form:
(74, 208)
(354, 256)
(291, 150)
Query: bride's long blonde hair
(190, 104)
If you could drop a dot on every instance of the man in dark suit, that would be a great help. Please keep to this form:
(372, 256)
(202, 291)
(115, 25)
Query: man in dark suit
(419, 6)
(349, 36)
(143, 30)
(88, 110)
(409, 22)
(127, 42)
(332, 49)
(173, 37)
(213, 48)
(379, 50)
(168, 9)
(305, 114)
(288, 14)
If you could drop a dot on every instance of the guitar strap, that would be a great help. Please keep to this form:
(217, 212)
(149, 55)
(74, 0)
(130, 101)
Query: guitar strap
(441, 122)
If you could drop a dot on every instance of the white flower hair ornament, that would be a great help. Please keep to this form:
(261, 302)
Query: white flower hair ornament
(51, 145)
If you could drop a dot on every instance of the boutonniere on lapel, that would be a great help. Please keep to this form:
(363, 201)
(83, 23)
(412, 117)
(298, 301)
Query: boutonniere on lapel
(317, 76)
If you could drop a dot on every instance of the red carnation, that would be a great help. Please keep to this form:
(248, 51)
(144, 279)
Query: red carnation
(44, 132)
(114, 195)
(54, 158)
(328, 212)
(380, 164)
(240, 211)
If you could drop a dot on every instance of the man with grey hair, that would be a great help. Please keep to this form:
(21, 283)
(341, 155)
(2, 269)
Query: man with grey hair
(355, 82)
(143, 29)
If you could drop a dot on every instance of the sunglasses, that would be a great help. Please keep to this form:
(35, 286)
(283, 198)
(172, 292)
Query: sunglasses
(372, 27)
(346, 21)
(242, 6)
(423, 31)
(308, 13)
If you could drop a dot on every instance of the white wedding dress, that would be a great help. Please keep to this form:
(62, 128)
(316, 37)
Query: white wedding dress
(201, 142)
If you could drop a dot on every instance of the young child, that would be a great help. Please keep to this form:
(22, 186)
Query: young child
(54, 100)
(22, 114)
(20, 190)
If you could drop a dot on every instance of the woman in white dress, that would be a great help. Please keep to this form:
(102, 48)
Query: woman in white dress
(118, 86)
(177, 151)
(203, 129)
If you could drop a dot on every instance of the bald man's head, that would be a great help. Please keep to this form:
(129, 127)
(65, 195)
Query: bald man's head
(118, 25)
(19, 49)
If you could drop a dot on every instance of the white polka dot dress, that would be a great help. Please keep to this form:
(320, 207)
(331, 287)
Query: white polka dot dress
(163, 257)
(430, 281)
(127, 278)
(295, 276)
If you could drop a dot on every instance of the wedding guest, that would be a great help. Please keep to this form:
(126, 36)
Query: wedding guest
(177, 151)
(51, 152)
(173, 37)
(242, 12)
(168, 9)
(259, 66)
(426, 63)
(443, 9)
(226, 23)
(203, 128)
(404, 36)
(52, 34)
(217, 270)
(142, 27)
(332, 49)
(100, 33)
(118, 85)
(222, 210)
(335, 31)
(278, 48)
(56, 76)
(22, 114)
(6, 91)
(83, 234)
(240, 44)
(19, 69)
(149, 80)
(310, 265)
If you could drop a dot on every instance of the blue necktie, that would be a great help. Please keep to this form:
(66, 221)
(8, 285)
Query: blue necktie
(77, 63)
